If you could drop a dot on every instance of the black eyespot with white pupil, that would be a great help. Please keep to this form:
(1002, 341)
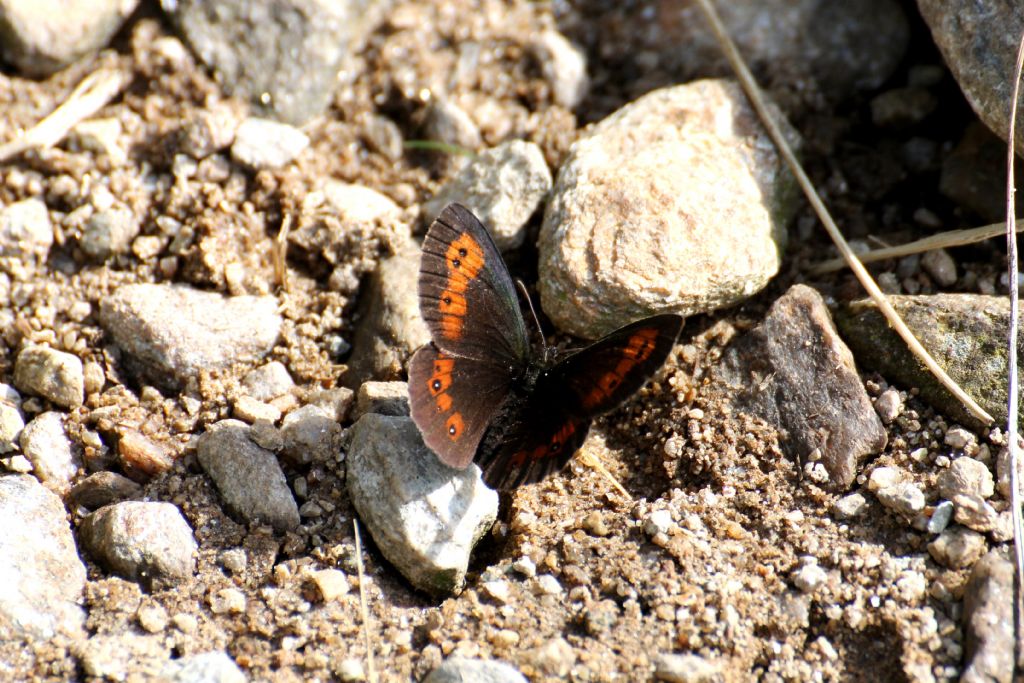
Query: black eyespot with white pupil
(436, 385)
(451, 430)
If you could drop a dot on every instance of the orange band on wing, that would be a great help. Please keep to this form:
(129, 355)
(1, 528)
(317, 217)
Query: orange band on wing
(464, 259)
(638, 349)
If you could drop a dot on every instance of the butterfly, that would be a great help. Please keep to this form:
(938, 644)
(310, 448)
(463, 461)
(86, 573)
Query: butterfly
(480, 393)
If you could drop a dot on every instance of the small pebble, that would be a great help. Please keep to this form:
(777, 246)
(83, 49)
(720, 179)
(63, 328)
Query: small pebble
(809, 577)
(889, 405)
(939, 520)
(685, 668)
(595, 525)
(261, 143)
(941, 266)
(957, 547)
(659, 522)
(332, 583)
(849, 506)
(883, 477)
(548, 585)
(966, 476)
(904, 498)
(525, 566)
(959, 438)
(497, 590)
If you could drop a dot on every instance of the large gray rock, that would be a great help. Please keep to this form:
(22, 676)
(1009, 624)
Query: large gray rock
(638, 222)
(979, 40)
(282, 55)
(965, 333)
(41, 574)
(425, 517)
(795, 372)
(168, 333)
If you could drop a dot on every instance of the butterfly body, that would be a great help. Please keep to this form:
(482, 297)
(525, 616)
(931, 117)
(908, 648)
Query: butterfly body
(479, 392)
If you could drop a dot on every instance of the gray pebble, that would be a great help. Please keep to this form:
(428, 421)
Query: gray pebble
(52, 374)
(260, 143)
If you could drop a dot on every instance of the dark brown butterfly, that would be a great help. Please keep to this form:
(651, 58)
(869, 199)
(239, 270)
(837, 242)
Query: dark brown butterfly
(480, 393)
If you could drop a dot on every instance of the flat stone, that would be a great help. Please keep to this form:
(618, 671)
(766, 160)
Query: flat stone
(974, 512)
(904, 498)
(103, 488)
(637, 223)
(146, 541)
(425, 517)
(55, 375)
(685, 668)
(502, 186)
(331, 583)
(795, 372)
(206, 667)
(248, 477)
(849, 507)
(55, 460)
(25, 227)
(383, 398)
(260, 143)
(268, 381)
(42, 574)
(168, 333)
(140, 457)
(462, 670)
(988, 621)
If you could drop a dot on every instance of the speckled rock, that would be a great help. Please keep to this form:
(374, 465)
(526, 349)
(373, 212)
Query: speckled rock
(425, 517)
(806, 384)
(43, 576)
(55, 375)
(248, 477)
(282, 55)
(55, 460)
(168, 333)
(966, 334)
(268, 381)
(147, 541)
(502, 186)
(103, 488)
(11, 423)
(43, 36)
(637, 223)
(979, 44)
(112, 657)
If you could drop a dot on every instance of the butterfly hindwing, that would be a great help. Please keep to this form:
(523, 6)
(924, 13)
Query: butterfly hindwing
(540, 441)
(467, 296)
(610, 370)
(452, 400)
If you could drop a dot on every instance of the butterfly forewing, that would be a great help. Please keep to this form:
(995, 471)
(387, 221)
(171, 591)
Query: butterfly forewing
(609, 371)
(467, 297)
(452, 400)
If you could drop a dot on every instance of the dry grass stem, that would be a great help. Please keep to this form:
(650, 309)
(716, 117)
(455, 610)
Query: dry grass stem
(91, 95)
(588, 459)
(371, 672)
(753, 92)
(943, 240)
(1012, 406)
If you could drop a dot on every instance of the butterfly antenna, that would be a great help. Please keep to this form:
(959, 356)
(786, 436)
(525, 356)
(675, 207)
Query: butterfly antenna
(536, 320)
